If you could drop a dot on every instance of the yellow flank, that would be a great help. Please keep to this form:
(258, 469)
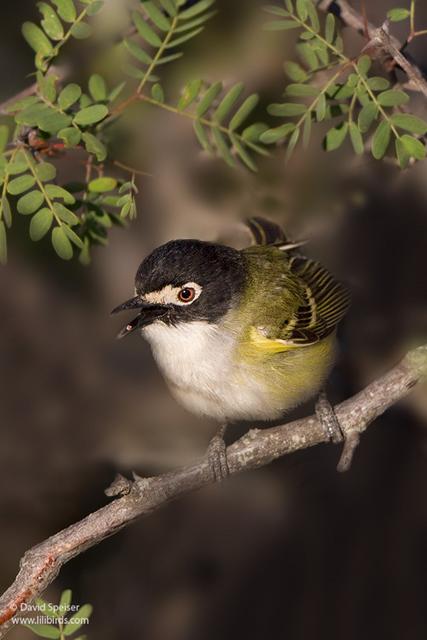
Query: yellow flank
(266, 345)
(292, 373)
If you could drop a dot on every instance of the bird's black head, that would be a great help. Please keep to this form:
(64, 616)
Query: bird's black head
(183, 281)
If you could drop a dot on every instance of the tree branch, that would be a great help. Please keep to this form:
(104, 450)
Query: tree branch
(41, 564)
(385, 45)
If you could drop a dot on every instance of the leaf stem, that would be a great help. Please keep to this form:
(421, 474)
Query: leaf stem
(208, 123)
(158, 54)
(6, 182)
(67, 35)
(375, 101)
(40, 185)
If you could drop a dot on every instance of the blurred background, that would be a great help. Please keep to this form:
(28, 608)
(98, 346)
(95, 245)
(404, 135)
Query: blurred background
(293, 550)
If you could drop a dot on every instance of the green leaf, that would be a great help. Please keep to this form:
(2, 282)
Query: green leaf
(398, 14)
(276, 11)
(97, 87)
(377, 83)
(336, 136)
(208, 98)
(47, 86)
(114, 94)
(188, 36)
(23, 103)
(36, 38)
(403, 157)
(70, 136)
(367, 116)
(293, 141)
(279, 133)
(201, 136)
(301, 90)
(4, 137)
(287, 109)
(196, 9)
(45, 171)
(356, 139)
(302, 11)
(254, 132)
(295, 72)
(100, 185)
(410, 123)
(169, 6)
(75, 622)
(392, 98)
(160, 20)
(145, 31)
(84, 258)
(94, 7)
(364, 64)
(321, 108)
(44, 630)
(54, 191)
(40, 224)
(330, 28)
(50, 23)
(30, 114)
(243, 111)
(137, 52)
(30, 202)
(312, 14)
(91, 115)
(280, 25)
(81, 30)
(21, 184)
(5, 212)
(95, 146)
(381, 140)
(65, 600)
(227, 102)
(307, 131)
(157, 93)
(242, 153)
(189, 93)
(3, 243)
(415, 148)
(190, 24)
(222, 147)
(72, 235)
(65, 214)
(307, 54)
(51, 121)
(166, 59)
(14, 168)
(66, 9)
(64, 249)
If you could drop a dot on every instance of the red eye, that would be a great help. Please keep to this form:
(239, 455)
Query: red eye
(187, 294)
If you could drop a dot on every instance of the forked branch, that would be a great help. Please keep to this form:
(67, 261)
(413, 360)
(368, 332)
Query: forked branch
(134, 498)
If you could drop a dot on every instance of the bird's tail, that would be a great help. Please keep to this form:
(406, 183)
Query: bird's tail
(266, 232)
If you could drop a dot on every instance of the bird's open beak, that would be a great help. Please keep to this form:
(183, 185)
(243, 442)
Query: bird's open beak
(147, 314)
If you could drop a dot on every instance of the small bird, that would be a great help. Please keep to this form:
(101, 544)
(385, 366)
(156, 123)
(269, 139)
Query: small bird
(238, 334)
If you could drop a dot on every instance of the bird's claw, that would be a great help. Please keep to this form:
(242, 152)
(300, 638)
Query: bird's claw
(217, 456)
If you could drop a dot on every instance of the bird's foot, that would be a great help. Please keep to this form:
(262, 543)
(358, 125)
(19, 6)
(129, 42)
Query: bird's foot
(328, 419)
(217, 455)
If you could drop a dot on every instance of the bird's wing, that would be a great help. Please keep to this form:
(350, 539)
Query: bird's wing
(304, 302)
(324, 303)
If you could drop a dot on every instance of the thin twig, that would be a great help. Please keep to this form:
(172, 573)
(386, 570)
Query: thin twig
(381, 42)
(41, 564)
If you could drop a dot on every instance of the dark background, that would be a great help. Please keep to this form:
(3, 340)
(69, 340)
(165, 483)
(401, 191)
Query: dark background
(293, 550)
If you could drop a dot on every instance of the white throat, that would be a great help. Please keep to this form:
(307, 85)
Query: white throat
(194, 357)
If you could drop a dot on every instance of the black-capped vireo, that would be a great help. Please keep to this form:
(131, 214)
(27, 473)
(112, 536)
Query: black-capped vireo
(238, 335)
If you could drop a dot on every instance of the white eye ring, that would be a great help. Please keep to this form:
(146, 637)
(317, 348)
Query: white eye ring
(188, 293)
